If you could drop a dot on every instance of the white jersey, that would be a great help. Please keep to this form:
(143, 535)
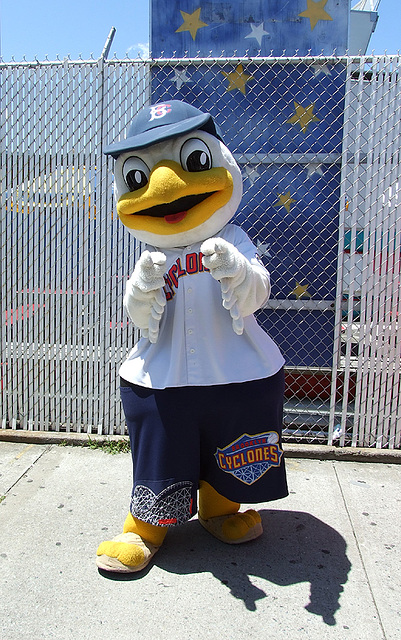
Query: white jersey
(197, 345)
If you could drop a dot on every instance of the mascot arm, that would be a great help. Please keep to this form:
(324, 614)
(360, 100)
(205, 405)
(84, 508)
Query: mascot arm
(144, 298)
(245, 284)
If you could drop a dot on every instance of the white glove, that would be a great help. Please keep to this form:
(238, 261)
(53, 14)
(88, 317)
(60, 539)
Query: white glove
(245, 285)
(144, 298)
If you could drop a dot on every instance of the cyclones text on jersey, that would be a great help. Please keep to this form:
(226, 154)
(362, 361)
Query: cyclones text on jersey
(190, 264)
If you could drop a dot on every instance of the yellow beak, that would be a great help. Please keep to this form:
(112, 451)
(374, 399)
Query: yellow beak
(175, 200)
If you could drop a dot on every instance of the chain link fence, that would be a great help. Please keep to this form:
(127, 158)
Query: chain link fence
(318, 142)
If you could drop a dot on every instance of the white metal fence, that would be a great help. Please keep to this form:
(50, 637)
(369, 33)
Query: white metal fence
(369, 270)
(318, 141)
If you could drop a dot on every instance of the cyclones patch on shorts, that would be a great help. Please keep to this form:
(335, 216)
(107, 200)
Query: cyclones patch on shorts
(248, 458)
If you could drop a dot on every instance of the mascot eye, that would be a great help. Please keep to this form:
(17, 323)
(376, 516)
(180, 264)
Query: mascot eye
(195, 155)
(135, 173)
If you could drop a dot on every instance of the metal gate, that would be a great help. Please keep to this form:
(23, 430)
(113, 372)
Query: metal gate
(65, 257)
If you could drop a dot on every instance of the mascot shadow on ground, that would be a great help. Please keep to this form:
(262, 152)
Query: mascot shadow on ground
(202, 390)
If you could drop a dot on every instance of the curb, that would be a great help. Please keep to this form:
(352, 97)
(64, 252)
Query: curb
(310, 451)
(51, 437)
(342, 454)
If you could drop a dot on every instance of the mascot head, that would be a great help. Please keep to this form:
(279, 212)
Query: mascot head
(176, 183)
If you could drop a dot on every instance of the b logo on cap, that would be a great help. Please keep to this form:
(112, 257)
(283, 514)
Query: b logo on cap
(159, 111)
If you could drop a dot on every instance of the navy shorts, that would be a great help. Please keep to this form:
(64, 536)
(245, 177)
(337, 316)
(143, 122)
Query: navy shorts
(228, 435)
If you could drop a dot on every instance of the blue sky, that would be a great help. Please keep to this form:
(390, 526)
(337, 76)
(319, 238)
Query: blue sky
(36, 28)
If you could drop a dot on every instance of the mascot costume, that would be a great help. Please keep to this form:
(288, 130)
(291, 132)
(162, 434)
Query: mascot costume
(202, 390)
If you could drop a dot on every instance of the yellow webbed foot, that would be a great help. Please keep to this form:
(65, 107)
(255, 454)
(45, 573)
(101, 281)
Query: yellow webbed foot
(126, 553)
(221, 517)
(234, 529)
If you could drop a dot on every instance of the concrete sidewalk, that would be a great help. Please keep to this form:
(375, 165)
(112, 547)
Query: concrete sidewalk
(328, 565)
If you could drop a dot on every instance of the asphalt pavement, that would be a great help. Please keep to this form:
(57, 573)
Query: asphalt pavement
(327, 566)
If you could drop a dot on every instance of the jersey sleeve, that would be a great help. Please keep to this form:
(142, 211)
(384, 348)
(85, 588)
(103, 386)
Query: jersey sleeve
(254, 289)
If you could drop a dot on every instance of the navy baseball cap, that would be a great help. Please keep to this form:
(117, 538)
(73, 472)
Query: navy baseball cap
(162, 121)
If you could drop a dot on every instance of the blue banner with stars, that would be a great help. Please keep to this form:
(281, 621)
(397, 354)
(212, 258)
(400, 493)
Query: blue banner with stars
(249, 28)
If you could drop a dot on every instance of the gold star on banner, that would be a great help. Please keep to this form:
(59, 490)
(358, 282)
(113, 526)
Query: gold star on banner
(300, 291)
(303, 116)
(192, 22)
(237, 79)
(315, 12)
(284, 200)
